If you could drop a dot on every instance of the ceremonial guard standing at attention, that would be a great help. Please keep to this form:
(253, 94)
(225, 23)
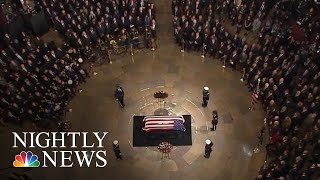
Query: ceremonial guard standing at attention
(119, 95)
(205, 97)
(116, 149)
(208, 148)
(214, 120)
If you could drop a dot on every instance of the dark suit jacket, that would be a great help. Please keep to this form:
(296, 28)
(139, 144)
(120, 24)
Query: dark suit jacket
(119, 94)
(215, 120)
(93, 35)
(213, 46)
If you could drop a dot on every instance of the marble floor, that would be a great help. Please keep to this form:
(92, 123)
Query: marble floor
(182, 75)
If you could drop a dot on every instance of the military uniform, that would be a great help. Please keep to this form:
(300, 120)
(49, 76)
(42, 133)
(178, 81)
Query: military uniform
(205, 97)
(208, 148)
(116, 149)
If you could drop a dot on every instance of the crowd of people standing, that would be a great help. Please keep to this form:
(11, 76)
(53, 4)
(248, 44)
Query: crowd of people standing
(89, 23)
(39, 78)
(287, 69)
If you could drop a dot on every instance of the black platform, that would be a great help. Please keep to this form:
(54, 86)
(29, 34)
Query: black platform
(176, 138)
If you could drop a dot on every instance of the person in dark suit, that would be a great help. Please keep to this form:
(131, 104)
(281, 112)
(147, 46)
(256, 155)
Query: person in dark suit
(63, 27)
(227, 56)
(93, 35)
(85, 39)
(239, 23)
(213, 46)
(141, 12)
(119, 95)
(214, 120)
(134, 37)
(187, 35)
(233, 60)
(178, 35)
(7, 40)
(197, 41)
(5, 57)
(123, 24)
(176, 11)
(221, 50)
(139, 24)
(236, 42)
(100, 29)
(114, 26)
(131, 21)
(58, 25)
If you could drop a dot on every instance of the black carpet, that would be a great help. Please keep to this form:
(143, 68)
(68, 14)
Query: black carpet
(176, 138)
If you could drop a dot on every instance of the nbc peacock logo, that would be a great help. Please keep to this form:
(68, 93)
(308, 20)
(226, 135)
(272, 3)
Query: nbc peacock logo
(26, 160)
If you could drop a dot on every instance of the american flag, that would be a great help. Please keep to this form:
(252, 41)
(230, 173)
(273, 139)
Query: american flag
(164, 123)
(255, 97)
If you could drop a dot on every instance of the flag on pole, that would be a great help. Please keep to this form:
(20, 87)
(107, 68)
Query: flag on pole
(163, 123)
(255, 97)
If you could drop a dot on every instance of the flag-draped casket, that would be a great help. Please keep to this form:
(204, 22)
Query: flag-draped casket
(163, 123)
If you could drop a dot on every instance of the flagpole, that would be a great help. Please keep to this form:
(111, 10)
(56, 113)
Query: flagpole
(255, 91)
(203, 50)
(243, 73)
(183, 48)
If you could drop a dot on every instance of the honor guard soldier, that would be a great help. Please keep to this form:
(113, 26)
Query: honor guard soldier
(119, 95)
(116, 149)
(208, 148)
(205, 97)
(214, 120)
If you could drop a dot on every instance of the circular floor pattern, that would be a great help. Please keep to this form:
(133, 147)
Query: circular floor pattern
(183, 77)
(183, 80)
